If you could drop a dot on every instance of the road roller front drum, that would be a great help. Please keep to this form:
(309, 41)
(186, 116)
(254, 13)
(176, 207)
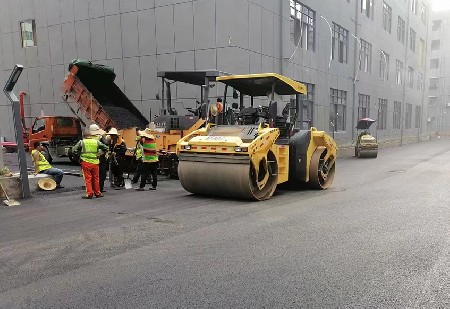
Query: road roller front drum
(229, 178)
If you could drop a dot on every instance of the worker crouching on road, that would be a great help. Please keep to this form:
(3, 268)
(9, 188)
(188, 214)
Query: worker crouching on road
(117, 150)
(41, 165)
(149, 159)
(89, 149)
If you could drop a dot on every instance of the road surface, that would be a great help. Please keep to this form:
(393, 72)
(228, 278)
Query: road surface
(378, 238)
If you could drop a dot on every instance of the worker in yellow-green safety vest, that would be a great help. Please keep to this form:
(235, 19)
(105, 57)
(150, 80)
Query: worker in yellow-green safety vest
(103, 165)
(89, 150)
(138, 156)
(41, 165)
(149, 159)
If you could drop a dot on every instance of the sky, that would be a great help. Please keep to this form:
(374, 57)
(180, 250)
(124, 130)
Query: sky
(440, 5)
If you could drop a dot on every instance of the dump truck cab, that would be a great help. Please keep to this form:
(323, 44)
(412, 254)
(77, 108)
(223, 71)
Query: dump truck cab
(264, 149)
(58, 134)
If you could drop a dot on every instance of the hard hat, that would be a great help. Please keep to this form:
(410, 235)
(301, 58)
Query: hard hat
(147, 133)
(47, 184)
(95, 129)
(113, 131)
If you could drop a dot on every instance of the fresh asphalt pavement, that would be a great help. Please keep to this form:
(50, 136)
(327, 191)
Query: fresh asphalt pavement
(379, 238)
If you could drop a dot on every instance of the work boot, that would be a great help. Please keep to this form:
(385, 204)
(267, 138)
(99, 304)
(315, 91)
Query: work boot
(140, 189)
(100, 195)
(86, 197)
(151, 188)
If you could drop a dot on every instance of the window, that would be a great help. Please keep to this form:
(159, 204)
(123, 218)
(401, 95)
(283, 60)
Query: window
(418, 117)
(414, 5)
(434, 63)
(384, 65)
(434, 83)
(432, 101)
(382, 114)
(64, 122)
(305, 117)
(28, 31)
(419, 81)
(408, 116)
(424, 13)
(412, 40)
(303, 20)
(363, 106)
(422, 53)
(435, 44)
(367, 8)
(387, 17)
(397, 114)
(338, 103)
(340, 43)
(366, 56)
(39, 125)
(398, 72)
(436, 25)
(401, 30)
(410, 77)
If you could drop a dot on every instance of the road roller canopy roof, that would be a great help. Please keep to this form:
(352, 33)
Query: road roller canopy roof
(190, 77)
(258, 85)
(364, 123)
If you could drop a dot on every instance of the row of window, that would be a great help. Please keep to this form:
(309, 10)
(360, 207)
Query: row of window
(367, 8)
(399, 67)
(338, 101)
(303, 19)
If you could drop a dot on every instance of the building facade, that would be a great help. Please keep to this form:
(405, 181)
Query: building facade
(439, 68)
(358, 58)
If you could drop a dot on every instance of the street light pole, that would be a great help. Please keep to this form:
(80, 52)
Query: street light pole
(8, 90)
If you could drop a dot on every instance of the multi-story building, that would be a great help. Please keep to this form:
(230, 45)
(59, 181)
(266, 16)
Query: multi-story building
(439, 73)
(358, 58)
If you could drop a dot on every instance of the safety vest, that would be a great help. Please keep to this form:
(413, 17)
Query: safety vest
(150, 152)
(89, 150)
(43, 164)
(138, 151)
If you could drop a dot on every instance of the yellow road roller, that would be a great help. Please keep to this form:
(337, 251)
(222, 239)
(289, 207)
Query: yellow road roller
(366, 144)
(249, 158)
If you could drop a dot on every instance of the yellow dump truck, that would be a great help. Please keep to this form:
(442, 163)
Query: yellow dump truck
(249, 159)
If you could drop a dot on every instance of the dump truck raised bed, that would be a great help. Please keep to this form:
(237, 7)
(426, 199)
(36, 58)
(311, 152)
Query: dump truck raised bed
(249, 160)
(92, 88)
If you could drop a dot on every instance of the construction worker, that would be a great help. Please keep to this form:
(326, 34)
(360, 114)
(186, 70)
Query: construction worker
(89, 149)
(117, 150)
(149, 159)
(41, 165)
(103, 161)
(138, 157)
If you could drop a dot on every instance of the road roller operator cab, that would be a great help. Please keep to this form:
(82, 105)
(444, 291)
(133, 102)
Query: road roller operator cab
(249, 158)
(366, 144)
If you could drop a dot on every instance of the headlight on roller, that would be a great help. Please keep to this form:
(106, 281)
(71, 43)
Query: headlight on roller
(240, 149)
